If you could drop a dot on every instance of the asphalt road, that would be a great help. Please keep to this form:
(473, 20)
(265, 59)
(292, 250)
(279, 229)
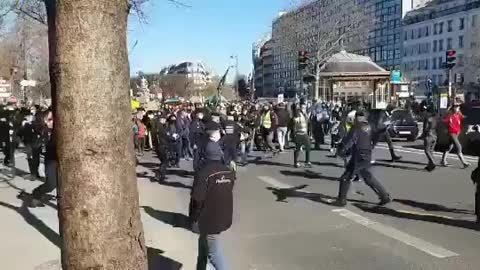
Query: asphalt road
(283, 218)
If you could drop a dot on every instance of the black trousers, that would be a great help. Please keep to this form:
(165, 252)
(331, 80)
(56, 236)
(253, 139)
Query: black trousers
(162, 156)
(7, 153)
(51, 180)
(363, 169)
(33, 158)
(388, 139)
(477, 202)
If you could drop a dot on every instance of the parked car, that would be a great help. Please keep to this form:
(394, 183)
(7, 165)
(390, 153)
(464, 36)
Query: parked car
(469, 136)
(403, 124)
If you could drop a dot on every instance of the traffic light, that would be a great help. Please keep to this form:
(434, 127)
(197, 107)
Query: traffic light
(302, 60)
(451, 58)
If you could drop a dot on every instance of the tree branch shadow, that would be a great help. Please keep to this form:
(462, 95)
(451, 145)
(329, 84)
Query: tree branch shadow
(176, 220)
(155, 259)
(309, 174)
(466, 224)
(283, 194)
(433, 207)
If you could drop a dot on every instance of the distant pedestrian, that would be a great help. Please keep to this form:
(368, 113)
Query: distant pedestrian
(302, 140)
(211, 204)
(283, 117)
(454, 122)
(430, 137)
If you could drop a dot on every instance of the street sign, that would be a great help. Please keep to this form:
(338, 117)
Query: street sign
(396, 77)
(444, 101)
(280, 98)
(31, 83)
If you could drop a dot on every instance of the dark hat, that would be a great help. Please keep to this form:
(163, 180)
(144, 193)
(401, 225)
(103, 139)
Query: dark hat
(212, 126)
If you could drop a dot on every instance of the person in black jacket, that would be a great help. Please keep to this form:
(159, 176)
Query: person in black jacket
(197, 133)
(161, 146)
(230, 140)
(31, 134)
(358, 143)
(211, 204)
(381, 127)
(51, 180)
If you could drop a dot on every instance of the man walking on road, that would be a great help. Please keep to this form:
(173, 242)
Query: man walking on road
(454, 122)
(283, 118)
(429, 136)
(211, 206)
(358, 143)
(302, 140)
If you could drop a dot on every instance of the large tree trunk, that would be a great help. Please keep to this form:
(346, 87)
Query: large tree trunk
(99, 211)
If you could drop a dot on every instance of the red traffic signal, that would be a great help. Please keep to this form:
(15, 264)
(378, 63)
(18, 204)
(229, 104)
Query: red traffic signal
(302, 60)
(451, 56)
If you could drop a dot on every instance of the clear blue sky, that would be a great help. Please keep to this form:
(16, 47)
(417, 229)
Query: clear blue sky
(210, 31)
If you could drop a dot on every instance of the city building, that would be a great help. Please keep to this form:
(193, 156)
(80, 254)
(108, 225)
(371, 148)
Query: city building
(263, 68)
(429, 32)
(194, 73)
(382, 41)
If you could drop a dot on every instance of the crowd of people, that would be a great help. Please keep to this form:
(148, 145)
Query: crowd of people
(219, 139)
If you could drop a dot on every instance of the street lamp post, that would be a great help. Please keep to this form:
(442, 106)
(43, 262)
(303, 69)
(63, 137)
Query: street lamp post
(236, 73)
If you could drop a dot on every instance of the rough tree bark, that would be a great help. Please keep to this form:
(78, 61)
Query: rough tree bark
(99, 208)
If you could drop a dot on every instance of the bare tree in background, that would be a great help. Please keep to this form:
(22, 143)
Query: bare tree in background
(321, 27)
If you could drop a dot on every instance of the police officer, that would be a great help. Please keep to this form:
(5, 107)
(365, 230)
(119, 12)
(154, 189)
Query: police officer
(161, 146)
(359, 144)
(211, 204)
(230, 140)
(31, 134)
(197, 133)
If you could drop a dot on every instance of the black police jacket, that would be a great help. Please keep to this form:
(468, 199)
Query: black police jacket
(359, 143)
(211, 204)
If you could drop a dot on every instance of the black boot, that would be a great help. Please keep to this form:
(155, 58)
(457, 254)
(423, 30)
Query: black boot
(342, 193)
(394, 156)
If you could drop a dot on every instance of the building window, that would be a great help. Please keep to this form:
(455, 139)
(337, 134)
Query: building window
(434, 63)
(462, 23)
(435, 29)
(427, 31)
(412, 35)
(440, 62)
(419, 32)
(450, 25)
(449, 43)
(406, 35)
(460, 42)
(435, 44)
(474, 20)
(440, 28)
(440, 45)
(427, 64)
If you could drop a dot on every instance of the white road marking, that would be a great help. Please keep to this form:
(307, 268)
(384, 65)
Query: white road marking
(405, 238)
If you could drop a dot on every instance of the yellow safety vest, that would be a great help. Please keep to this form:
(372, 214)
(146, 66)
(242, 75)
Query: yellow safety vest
(267, 120)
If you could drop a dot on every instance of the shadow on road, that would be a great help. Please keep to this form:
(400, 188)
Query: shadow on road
(377, 164)
(35, 222)
(262, 162)
(328, 164)
(283, 194)
(156, 261)
(148, 165)
(154, 179)
(402, 162)
(433, 207)
(309, 174)
(412, 216)
(176, 220)
(181, 173)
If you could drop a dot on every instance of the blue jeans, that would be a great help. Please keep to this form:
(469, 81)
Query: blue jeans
(210, 250)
